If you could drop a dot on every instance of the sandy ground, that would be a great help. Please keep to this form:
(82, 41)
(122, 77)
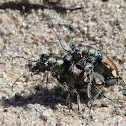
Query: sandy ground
(24, 31)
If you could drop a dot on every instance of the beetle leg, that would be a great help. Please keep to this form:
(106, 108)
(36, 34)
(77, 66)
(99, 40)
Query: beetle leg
(99, 83)
(89, 90)
(99, 79)
(89, 86)
(68, 99)
(78, 101)
(68, 93)
(47, 77)
(78, 98)
(98, 92)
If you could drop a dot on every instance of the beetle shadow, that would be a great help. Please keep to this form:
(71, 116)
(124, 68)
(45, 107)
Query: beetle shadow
(42, 96)
(26, 7)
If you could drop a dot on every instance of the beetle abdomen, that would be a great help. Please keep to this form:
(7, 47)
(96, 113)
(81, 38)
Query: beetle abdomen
(110, 65)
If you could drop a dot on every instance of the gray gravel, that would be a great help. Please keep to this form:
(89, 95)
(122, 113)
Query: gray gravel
(25, 32)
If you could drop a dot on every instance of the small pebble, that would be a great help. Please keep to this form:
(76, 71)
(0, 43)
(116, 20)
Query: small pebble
(5, 110)
(18, 96)
(125, 114)
(119, 57)
(44, 118)
(105, 0)
(104, 105)
(57, 124)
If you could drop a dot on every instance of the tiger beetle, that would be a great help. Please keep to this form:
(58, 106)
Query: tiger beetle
(102, 63)
(60, 69)
(104, 72)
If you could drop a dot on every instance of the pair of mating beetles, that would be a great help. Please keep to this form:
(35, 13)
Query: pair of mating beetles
(81, 68)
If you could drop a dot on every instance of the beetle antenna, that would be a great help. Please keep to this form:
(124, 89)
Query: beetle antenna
(25, 58)
(24, 72)
(59, 40)
(16, 81)
(114, 100)
(19, 78)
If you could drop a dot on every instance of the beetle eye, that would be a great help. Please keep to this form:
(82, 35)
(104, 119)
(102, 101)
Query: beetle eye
(99, 54)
